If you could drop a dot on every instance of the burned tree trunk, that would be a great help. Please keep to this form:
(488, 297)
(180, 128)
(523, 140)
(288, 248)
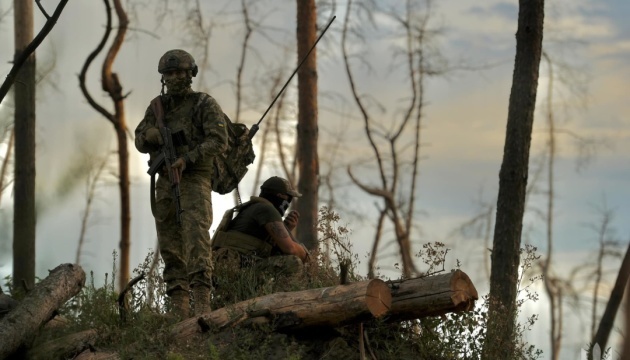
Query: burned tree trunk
(21, 324)
(431, 296)
(331, 306)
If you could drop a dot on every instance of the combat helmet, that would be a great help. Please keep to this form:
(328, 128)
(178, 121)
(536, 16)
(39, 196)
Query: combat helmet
(177, 60)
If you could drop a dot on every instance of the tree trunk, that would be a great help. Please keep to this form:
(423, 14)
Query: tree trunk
(307, 130)
(431, 296)
(626, 344)
(20, 325)
(608, 319)
(24, 180)
(331, 306)
(513, 183)
(112, 85)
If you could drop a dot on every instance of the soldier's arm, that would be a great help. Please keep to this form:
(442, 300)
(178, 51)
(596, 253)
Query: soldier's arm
(284, 240)
(215, 131)
(147, 122)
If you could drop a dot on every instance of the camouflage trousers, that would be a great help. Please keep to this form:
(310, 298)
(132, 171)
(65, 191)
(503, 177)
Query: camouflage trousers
(185, 248)
(273, 266)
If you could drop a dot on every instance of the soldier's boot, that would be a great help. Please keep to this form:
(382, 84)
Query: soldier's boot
(180, 303)
(201, 297)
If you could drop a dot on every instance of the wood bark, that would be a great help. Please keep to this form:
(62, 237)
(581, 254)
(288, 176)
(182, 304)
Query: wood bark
(616, 295)
(111, 84)
(20, 325)
(513, 183)
(331, 306)
(66, 347)
(431, 296)
(7, 304)
(307, 128)
(24, 179)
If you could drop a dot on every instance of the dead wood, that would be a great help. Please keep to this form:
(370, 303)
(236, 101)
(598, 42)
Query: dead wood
(331, 306)
(7, 304)
(66, 347)
(97, 355)
(20, 325)
(431, 296)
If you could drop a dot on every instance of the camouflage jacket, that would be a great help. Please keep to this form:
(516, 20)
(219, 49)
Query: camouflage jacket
(202, 122)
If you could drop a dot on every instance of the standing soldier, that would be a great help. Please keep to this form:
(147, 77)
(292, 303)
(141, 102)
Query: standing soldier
(198, 130)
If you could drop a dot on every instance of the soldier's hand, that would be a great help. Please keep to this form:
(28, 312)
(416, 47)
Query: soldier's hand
(153, 136)
(291, 220)
(307, 257)
(179, 166)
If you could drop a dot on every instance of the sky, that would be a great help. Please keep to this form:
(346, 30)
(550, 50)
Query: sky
(463, 131)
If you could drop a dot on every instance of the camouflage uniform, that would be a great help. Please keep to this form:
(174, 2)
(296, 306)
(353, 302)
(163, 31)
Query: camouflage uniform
(186, 249)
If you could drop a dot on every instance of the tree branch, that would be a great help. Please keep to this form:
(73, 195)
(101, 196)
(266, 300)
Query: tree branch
(26, 53)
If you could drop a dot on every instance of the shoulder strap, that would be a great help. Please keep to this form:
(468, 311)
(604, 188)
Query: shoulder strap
(158, 111)
(227, 217)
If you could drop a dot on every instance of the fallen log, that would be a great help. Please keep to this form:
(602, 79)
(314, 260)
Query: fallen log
(331, 306)
(97, 355)
(431, 296)
(7, 304)
(21, 324)
(66, 347)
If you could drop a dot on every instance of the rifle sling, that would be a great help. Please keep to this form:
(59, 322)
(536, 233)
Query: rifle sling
(158, 111)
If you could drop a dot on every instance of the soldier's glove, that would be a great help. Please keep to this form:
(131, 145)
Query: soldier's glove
(153, 136)
(179, 166)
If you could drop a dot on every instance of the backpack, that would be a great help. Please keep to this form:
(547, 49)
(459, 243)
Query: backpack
(241, 242)
(231, 166)
(228, 215)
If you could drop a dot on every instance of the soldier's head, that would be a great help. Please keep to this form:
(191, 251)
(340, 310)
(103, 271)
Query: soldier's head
(177, 68)
(279, 192)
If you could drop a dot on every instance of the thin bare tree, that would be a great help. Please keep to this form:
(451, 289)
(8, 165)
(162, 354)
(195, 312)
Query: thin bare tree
(92, 180)
(553, 292)
(24, 219)
(396, 150)
(307, 128)
(111, 85)
(607, 320)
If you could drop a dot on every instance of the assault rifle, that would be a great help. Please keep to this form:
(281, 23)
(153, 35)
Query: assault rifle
(254, 128)
(166, 158)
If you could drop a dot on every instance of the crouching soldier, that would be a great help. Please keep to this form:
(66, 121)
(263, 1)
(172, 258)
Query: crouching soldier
(258, 236)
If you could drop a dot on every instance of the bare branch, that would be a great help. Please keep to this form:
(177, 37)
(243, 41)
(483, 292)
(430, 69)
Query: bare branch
(26, 53)
(88, 61)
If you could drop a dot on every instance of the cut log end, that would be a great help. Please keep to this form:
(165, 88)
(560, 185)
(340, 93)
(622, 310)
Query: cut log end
(464, 292)
(378, 298)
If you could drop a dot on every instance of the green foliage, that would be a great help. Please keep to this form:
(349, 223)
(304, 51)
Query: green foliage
(140, 329)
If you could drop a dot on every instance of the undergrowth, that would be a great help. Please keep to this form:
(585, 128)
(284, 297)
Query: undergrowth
(137, 327)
